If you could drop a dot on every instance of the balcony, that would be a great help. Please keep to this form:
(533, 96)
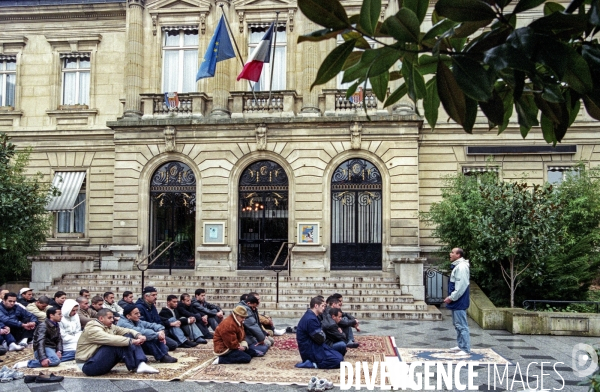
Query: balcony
(257, 104)
(336, 103)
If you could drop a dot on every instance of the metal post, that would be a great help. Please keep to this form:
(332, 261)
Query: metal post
(142, 290)
(277, 289)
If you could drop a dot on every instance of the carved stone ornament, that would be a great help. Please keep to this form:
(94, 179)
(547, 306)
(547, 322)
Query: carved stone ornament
(261, 137)
(291, 18)
(203, 22)
(154, 24)
(170, 139)
(241, 19)
(140, 3)
(355, 135)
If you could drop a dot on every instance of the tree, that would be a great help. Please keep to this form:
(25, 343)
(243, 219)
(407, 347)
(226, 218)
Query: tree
(538, 242)
(473, 56)
(25, 222)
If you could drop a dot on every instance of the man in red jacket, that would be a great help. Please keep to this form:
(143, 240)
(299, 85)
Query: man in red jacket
(229, 344)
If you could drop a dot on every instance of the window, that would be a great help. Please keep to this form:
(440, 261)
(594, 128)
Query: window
(8, 76)
(557, 174)
(478, 171)
(69, 206)
(279, 62)
(75, 78)
(73, 221)
(180, 59)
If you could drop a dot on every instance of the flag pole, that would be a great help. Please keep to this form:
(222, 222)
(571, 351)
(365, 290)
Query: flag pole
(273, 60)
(237, 49)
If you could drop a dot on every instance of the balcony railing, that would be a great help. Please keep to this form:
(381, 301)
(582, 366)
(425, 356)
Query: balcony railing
(190, 104)
(260, 103)
(337, 104)
(245, 103)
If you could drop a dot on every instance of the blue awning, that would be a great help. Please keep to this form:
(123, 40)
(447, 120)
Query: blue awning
(69, 184)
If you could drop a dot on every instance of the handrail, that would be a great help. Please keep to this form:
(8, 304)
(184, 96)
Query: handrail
(528, 303)
(279, 268)
(139, 263)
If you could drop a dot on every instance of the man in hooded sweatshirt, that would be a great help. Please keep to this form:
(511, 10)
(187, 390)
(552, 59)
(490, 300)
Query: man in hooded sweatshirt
(458, 301)
(70, 325)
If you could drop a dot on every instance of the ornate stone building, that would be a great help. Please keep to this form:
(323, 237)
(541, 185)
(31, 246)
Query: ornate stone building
(229, 177)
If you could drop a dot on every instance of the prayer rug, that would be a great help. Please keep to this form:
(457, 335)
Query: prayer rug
(277, 366)
(188, 361)
(481, 355)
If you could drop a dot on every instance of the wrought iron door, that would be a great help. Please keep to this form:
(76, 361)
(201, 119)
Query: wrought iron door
(263, 215)
(173, 215)
(356, 216)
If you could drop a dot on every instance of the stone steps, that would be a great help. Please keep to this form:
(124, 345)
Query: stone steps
(376, 297)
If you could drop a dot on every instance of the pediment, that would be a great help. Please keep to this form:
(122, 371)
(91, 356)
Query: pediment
(249, 5)
(177, 5)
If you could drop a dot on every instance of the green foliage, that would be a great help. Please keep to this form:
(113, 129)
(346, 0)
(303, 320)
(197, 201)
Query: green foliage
(538, 242)
(476, 55)
(25, 222)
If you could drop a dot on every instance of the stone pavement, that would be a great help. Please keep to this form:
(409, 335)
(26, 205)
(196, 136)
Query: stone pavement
(525, 350)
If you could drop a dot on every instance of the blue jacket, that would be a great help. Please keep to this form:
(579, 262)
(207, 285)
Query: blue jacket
(148, 312)
(15, 317)
(149, 330)
(307, 334)
(458, 287)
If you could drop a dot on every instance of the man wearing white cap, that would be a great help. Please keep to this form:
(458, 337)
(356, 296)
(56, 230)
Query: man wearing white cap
(26, 296)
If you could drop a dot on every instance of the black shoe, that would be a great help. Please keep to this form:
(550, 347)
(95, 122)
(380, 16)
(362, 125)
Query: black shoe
(201, 341)
(44, 378)
(352, 345)
(289, 330)
(188, 344)
(168, 359)
(209, 336)
(29, 379)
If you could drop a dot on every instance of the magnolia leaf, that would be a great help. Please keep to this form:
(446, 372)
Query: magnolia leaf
(527, 112)
(319, 35)
(330, 13)
(493, 109)
(430, 37)
(451, 96)
(547, 129)
(353, 59)
(472, 78)
(592, 106)
(419, 7)
(524, 5)
(414, 81)
(369, 15)
(550, 7)
(577, 74)
(465, 10)
(379, 84)
(431, 103)
(333, 63)
(396, 95)
(404, 26)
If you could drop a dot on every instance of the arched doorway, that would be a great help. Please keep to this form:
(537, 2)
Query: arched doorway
(356, 218)
(173, 215)
(263, 215)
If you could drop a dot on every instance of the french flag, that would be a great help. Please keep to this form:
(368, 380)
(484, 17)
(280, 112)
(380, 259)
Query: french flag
(260, 55)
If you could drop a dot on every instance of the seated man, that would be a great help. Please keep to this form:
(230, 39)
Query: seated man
(213, 312)
(348, 321)
(334, 337)
(84, 293)
(187, 325)
(102, 345)
(154, 333)
(267, 321)
(8, 340)
(48, 347)
(256, 336)
(229, 344)
(38, 308)
(59, 299)
(148, 312)
(127, 299)
(311, 340)
(18, 319)
(97, 303)
(26, 296)
(109, 303)
(70, 326)
(85, 312)
(186, 309)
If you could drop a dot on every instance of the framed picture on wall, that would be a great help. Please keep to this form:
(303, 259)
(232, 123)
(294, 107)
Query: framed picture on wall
(214, 233)
(308, 233)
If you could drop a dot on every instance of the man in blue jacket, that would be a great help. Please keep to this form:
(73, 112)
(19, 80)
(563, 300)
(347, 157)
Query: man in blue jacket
(148, 312)
(311, 340)
(458, 301)
(18, 319)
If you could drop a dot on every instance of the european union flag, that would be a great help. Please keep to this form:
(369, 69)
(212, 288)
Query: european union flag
(219, 49)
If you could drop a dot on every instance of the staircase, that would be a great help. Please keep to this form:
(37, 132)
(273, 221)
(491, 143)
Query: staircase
(374, 297)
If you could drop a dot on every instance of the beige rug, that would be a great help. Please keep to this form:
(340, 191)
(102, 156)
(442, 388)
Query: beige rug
(481, 355)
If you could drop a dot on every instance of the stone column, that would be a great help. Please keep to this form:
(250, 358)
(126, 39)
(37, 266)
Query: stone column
(310, 55)
(221, 79)
(135, 49)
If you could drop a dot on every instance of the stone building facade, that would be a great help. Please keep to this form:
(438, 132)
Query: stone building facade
(232, 182)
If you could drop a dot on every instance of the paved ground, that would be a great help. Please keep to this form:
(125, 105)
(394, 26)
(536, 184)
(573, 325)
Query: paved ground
(526, 351)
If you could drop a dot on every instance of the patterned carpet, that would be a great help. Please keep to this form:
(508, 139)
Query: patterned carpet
(481, 355)
(277, 366)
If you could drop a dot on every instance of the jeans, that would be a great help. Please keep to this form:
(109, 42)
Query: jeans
(459, 319)
(155, 348)
(192, 331)
(108, 356)
(260, 347)
(51, 355)
(237, 356)
(8, 339)
(340, 347)
(176, 332)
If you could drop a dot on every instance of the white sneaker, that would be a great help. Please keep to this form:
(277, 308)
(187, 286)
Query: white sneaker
(15, 347)
(143, 367)
(325, 384)
(462, 353)
(312, 384)
(455, 348)
(19, 365)
(23, 342)
(279, 332)
(216, 361)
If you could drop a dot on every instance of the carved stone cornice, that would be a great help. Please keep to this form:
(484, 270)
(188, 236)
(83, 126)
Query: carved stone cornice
(101, 11)
(139, 3)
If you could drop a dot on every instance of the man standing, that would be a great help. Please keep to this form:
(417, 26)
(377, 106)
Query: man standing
(230, 345)
(148, 312)
(458, 300)
(47, 342)
(18, 319)
(85, 312)
(154, 333)
(213, 312)
(311, 340)
(38, 308)
(102, 345)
